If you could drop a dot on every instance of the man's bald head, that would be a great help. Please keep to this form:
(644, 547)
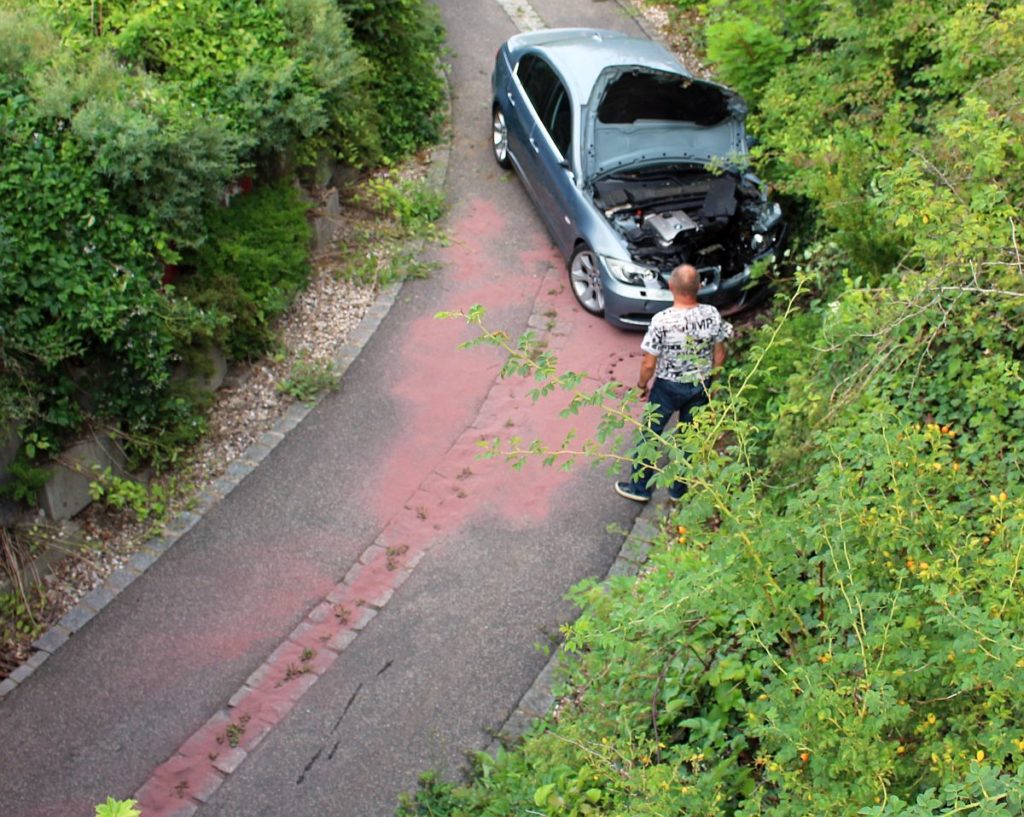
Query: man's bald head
(685, 281)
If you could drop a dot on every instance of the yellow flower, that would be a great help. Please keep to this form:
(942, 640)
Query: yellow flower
(931, 717)
(956, 466)
(1019, 743)
(980, 755)
(901, 749)
(1002, 496)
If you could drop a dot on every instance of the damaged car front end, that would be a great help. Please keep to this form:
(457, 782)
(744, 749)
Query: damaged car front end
(664, 162)
(649, 172)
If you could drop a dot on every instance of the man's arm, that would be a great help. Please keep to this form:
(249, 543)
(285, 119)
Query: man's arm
(718, 355)
(647, 367)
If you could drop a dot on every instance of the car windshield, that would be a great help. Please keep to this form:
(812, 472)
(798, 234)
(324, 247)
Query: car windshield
(657, 95)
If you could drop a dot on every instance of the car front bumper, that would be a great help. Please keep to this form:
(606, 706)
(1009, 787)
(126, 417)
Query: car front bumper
(631, 306)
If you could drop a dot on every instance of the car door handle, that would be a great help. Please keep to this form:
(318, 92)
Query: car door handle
(533, 144)
(511, 99)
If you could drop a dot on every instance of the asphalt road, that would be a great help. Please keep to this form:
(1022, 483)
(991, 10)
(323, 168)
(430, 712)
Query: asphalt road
(391, 457)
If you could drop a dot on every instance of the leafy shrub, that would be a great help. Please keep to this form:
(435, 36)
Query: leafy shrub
(747, 53)
(254, 261)
(85, 327)
(402, 41)
(117, 138)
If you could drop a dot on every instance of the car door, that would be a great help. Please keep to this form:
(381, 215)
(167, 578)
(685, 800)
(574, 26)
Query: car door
(520, 117)
(545, 156)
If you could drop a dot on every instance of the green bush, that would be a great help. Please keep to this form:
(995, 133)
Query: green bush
(747, 53)
(121, 126)
(250, 267)
(402, 40)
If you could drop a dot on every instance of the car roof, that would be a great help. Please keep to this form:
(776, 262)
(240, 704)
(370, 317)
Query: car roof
(580, 54)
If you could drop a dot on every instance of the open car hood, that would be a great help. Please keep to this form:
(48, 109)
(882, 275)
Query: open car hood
(638, 117)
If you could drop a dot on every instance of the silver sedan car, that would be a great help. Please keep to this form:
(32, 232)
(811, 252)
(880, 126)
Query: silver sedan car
(636, 167)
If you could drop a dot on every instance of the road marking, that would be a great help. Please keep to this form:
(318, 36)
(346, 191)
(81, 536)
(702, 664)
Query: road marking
(522, 14)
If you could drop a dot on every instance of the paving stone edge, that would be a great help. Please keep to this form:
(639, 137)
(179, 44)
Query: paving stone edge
(150, 551)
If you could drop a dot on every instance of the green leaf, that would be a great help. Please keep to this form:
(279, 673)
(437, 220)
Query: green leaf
(540, 796)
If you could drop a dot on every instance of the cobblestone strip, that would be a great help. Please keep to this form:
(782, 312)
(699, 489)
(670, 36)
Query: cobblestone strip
(180, 785)
(80, 615)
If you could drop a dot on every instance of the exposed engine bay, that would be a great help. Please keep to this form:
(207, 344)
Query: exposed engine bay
(717, 222)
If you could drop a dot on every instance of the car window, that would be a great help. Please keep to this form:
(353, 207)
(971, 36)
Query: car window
(658, 95)
(549, 99)
(559, 123)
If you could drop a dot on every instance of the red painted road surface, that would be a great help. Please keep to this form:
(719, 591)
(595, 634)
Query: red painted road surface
(426, 486)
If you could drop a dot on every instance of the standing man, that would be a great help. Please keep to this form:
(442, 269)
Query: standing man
(683, 344)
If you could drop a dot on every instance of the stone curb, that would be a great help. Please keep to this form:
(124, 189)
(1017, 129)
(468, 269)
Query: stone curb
(247, 462)
(538, 701)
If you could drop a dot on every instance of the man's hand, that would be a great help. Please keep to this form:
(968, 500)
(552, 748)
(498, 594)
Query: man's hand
(718, 355)
(647, 367)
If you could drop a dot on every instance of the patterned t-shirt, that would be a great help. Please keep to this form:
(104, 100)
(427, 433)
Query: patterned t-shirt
(683, 340)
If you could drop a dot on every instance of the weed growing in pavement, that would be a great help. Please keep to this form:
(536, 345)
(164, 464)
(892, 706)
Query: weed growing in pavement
(394, 554)
(118, 808)
(308, 379)
(400, 209)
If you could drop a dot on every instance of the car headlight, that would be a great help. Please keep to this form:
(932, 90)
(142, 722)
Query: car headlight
(769, 216)
(628, 272)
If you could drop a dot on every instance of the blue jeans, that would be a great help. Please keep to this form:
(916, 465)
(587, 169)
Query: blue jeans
(667, 397)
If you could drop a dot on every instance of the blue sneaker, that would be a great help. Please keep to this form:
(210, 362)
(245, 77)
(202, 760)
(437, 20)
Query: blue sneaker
(630, 491)
(677, 491)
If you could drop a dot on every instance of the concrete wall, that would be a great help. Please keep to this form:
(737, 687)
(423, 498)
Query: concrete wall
(67, 491)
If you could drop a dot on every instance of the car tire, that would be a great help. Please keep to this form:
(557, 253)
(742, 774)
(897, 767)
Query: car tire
(585, 280)
(499, 138)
